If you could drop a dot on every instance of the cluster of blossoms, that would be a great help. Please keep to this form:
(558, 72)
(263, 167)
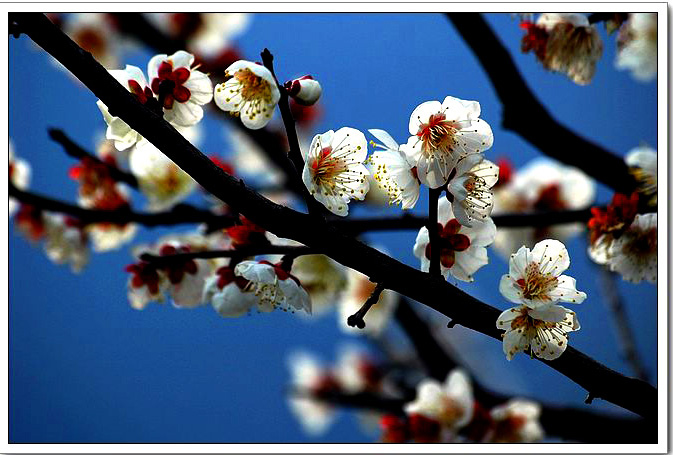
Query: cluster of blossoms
(536, 283)
(637, 46)
(448, 412)
(354, 372)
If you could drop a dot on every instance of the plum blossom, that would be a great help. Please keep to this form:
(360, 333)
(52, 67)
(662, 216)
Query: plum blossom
(358, 290)
(606, 225)
(450, 404)
(323, 278)
(565, 43)
(145, 284)
(273, 286)
(355, 371)
(517, 421)
(31, 221)
(542, 185)
(634, 254)
(535, 277)
(95, 33)
(161, 181)
(181, 88)
(304, 90)
(392, 171)
(66, 242)
(462, 248)
(642, 162)
(19, 175)
(442, 134)
(543, 329)
(250, 92)
(471, 190)
(227, 293)
(637, 46)
(334, 172)
(308, 375)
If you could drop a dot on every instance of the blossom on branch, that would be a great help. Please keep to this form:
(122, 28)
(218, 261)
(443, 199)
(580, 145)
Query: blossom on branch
(517, 421)
(470, 189)
(442, 134)
(637, 46)
(304, 90)
(323, 278)
(19, 175)
(642, 162)
(334, 172)
(393, 173)
(606, 225)
(66, 241)
(634, 254)
(250, 92)
(227, 293)
(462, 248)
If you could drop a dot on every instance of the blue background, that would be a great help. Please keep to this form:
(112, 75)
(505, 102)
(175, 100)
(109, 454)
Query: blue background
(86, 367)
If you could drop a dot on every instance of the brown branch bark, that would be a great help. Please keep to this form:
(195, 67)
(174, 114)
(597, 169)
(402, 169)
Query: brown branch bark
(599, 380)
(524, 114)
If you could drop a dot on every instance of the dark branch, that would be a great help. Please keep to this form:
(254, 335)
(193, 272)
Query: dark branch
(76, 151)
(630, 393)
(358, 319)
(433, 231)
(242, 252)
(524, 114)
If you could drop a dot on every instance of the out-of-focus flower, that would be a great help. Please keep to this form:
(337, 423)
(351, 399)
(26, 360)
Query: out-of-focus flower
(535, 278)
(227, 293)
(181, 89)
(566, 43)
(393, 172)
(307, 376)
(462, 249)
(516, 421)
(95, 33)
(19, 175)
(357, 292)
(471, 191)
(542, 185)
(162, 181)
(247, 233)
(442, 134)
(394, 429)
(450, 404)
(637, 46)
(606, 225)
(31, 222)
(186, 276)
(250, 92)
(146, 284)
(274, 287)
(356, 372)
(323, 278)
(304, 90)
(334, 172)
(66, 242)
(544, 330)
(634, 254)
(133, 79)
(250, 161)
(642, 162)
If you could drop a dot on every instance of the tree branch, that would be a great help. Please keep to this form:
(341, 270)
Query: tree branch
(524, 114)
(242, 252)
(630, 393)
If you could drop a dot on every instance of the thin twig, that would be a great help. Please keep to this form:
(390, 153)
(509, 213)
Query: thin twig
(243, 252)
(629, 393)
(358, 319)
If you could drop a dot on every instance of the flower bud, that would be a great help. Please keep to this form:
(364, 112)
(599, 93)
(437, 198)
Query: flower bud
(305, 90)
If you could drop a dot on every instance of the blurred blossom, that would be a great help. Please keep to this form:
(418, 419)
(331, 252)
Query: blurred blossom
(607, 224)
(450, 404)
(470, 189)
(516, 421)
(565, 43)
(392, 172)
(356, 372)
(180, 87)
(66, 241)
(161, 181)
(462, 249)
(357, 292)
(31, 222)
(540, 186)
(19, 175)
(634, 254)
(642, 162)
(274, 287)
(308, 376)
(442, 134)
(637, 46)
(334, 172)
(323, 278)
(535, 278)
(251, 161)
(97, 34)
(250, 92)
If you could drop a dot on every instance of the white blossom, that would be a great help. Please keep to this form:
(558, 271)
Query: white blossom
(305, 90)
(634, 254)
(334, 172)
(274, 287)
(443, 133)
(637, 46)
(517, 421)
(66, 242)
(251, 91)
(642, 162)
(323, 278)
(462, 248)
(471, 189)
(535, 277)
(19, 175)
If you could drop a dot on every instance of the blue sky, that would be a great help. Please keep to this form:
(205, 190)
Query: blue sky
(86, 367)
